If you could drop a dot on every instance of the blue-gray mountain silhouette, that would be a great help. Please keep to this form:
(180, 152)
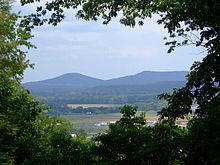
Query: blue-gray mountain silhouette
(150, 80)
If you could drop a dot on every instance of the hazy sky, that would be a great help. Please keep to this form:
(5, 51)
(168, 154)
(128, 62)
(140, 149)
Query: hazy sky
(102, 51)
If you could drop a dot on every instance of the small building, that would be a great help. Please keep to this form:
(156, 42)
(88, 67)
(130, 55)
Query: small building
(151, 123)
(73, 135)
(101, 124)
(112, 122)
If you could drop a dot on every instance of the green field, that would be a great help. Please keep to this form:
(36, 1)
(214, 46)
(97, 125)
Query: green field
(88, 121)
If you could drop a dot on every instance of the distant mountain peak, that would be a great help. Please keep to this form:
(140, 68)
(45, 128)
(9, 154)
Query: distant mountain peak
(149, 77)
(76, 81)
(73, 75)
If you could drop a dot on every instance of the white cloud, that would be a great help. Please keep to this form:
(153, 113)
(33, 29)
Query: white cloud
(73, 22)
(68, 36)
(138, 53)
(64, 48)
(126, 53)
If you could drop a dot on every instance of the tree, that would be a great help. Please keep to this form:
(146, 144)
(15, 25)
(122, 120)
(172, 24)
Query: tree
(182, 18)
(12, 65)
(130, 141)
(26, 135)
(14, 43)
(201, 15)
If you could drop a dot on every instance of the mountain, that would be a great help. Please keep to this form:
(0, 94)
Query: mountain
(148, 77)
(134, 89)
(75, 82)
(72, 79)
(63, 83)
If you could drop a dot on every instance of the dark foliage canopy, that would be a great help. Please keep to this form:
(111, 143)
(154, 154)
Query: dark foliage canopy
(27, 136)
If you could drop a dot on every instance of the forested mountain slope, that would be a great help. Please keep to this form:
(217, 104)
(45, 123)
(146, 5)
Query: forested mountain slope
(144, 82)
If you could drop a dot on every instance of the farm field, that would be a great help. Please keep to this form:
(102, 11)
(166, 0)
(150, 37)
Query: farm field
(92, 105)
(88, 121)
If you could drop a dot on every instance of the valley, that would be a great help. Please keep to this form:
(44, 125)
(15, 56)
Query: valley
(91, 103)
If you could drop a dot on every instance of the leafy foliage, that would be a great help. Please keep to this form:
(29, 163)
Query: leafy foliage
(202, 88)
(130, 141)
(181, 18)
(17, 109)
(13, 39)
(27, 136)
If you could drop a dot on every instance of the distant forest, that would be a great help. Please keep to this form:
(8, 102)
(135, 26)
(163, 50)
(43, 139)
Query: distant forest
(63, 90)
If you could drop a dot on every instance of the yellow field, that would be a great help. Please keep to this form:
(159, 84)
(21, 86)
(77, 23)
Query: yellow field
(92, 105)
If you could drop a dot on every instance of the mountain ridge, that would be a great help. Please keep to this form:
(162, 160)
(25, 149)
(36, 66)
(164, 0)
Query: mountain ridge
(77, 82)
(146, 77)
(127, 76)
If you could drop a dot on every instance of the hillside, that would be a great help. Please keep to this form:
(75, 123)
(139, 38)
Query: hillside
(63, 83)
(75, 82)
(150, 88)
(148, 77)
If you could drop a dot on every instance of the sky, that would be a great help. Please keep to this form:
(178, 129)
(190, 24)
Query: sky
(102, 51)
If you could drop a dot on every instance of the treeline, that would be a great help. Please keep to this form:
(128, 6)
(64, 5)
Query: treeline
(67, 88)
(128, 141)
(63, 109)
(106, 99)
(145, 102)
